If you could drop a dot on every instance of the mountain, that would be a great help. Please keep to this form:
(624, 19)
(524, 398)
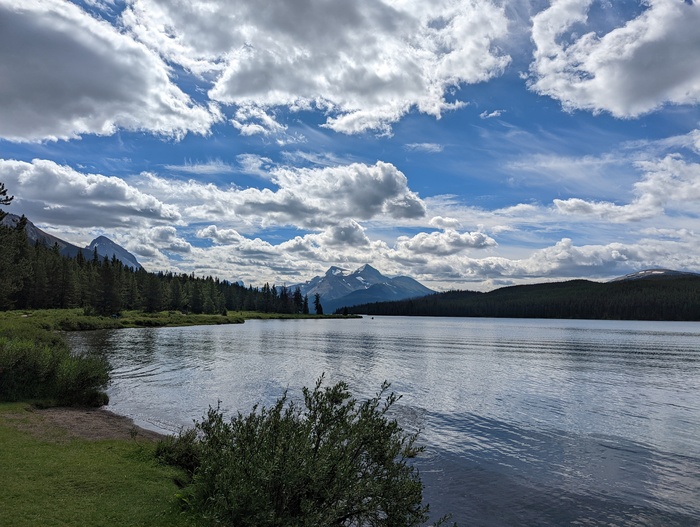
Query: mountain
(110, 249)
(340, 287)
(35, 234)
(105, 246)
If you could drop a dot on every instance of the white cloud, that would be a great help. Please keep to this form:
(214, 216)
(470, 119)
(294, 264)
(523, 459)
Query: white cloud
(251, 120)
(57, 194)
(445, 223)
(346, 234)
(432, 148)
(491, 115)
(65, 73)
(221, 236)
(443, 243)
(365, 63)
(216, 166)
(668, 184)
(166, 238)
(240, 246)
(256, 165)
(633, 69)
(311, 198)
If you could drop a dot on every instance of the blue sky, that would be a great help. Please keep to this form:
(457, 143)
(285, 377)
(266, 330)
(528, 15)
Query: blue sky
(469, 144)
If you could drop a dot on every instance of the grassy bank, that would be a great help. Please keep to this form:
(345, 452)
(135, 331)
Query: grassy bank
(77, 320)
(51, 478)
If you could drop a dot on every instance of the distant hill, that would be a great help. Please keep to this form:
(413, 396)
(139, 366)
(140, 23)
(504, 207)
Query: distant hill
(105, 246)
(653, 274)
(340, 287)
(658, 296)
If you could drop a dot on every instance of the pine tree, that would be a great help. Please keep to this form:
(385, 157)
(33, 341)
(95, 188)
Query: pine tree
(4, 199)
(317, 304)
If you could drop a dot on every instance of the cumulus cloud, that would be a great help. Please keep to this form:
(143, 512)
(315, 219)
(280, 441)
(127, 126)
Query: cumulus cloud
(347, 234)
(53, 193)
(239, 246)
(353, 191)
(443, 243)
(445, 223)
(651, 60)
(305, 197)
(65, 73)
(221, 236)
(669, 183)
(364, 63)
(251, 120)
(166, 238)
(562, 260)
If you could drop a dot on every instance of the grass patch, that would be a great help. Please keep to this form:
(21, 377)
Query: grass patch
(51, 480)
(77, 320)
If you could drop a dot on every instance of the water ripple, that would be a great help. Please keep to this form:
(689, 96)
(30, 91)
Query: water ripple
(525, 422)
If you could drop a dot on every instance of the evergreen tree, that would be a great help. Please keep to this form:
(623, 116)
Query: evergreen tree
(317, 304)
(153, 294)
(4, 199)
(109, 294)
(15, 265)
(298, 300)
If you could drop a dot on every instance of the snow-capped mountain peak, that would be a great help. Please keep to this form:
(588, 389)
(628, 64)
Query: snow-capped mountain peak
(337, 284)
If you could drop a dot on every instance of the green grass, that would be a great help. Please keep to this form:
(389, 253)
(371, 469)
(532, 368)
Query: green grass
(49, 479)
(76, 320)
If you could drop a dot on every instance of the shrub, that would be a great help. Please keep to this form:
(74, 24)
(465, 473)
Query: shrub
(36, 364)
(334, 462)
(181, 450)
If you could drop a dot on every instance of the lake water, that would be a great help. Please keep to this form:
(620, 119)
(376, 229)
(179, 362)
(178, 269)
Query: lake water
(525, 422)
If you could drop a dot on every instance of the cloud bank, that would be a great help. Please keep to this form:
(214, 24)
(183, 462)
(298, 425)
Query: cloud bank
(365, 63)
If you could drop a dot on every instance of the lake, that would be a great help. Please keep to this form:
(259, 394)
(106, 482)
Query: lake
(525, 422)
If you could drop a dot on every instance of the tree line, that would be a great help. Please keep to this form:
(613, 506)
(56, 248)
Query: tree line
(39, 277)
(664, 298)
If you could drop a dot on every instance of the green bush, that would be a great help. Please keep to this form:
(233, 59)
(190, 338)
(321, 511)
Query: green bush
(36, 364)
(334, 462)
(180, 451)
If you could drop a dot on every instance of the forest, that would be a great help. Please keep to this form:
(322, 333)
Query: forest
(664, 298)
(38, 277)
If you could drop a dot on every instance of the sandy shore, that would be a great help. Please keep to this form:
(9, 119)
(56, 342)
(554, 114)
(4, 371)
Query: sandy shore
(94, 424)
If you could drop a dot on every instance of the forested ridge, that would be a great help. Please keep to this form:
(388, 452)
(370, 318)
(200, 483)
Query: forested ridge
(38, 277)
(664, 298)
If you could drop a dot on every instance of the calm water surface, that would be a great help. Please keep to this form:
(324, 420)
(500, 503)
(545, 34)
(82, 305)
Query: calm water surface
(526, 422)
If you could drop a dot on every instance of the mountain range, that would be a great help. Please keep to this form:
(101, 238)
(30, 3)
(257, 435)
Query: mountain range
(341, 287)
(104, 246)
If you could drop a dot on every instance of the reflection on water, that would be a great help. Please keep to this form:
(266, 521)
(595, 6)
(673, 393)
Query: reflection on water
(526, 422)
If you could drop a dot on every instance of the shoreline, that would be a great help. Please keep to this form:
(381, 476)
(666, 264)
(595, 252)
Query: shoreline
(96, 424)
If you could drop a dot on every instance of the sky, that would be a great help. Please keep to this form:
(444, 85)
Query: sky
(469, 144)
